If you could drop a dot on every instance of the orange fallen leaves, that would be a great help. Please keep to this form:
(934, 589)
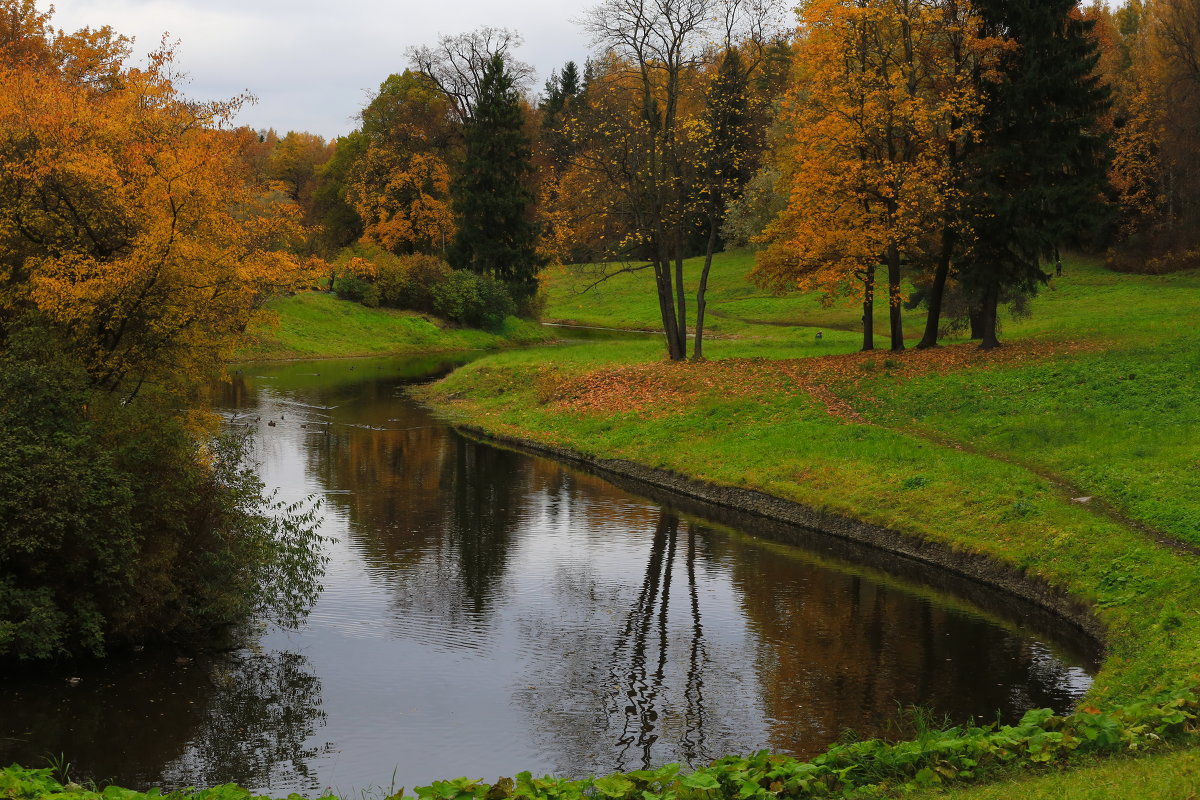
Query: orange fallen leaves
(666, 388)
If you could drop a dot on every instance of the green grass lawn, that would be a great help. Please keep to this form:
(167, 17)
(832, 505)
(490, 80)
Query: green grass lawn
(1088, 300)
(1174, 776)
(318, 325)
(1097, 394)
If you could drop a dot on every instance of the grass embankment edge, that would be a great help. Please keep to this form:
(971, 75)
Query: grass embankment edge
(978, 567)
(318, 325)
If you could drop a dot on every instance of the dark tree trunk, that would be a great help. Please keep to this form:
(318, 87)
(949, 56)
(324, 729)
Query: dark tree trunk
(666, 306)
(894, 308)
(991, 297)
(698, 348)
(937, 292)
(681, 299)
(868, 310)
(975, 314)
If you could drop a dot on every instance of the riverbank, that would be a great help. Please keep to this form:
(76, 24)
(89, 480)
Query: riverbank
(319, 325)
(1070, 455)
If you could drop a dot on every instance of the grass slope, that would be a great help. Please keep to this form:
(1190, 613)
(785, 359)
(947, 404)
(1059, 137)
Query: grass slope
(318, 325)
(1096, 395)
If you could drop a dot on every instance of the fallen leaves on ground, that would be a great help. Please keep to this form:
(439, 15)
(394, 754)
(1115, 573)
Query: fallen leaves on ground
(665, 387)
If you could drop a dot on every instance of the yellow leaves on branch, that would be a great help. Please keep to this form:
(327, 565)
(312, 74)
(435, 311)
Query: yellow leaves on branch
(403, 199)
(127, 216)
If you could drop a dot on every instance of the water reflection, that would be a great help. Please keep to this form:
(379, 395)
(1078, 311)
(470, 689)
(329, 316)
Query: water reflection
(170, 721)
(487, 612)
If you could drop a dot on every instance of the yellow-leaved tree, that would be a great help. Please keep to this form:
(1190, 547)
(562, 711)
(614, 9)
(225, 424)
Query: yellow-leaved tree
(127, 218)
(881, 105)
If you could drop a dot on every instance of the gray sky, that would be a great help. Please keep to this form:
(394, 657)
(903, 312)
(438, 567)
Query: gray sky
(311, 64)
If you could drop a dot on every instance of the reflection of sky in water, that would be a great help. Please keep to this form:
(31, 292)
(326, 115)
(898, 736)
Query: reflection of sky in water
(485, 612)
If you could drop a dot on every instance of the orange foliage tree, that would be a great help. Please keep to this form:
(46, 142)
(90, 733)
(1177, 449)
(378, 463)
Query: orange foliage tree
(882, 101)
(127, 218)
(400, 186)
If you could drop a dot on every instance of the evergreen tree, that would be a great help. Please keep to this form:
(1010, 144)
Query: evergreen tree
(493, 203)
(562, 95)
(1038, 170)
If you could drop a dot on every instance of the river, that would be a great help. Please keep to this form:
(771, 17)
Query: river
(487, 612)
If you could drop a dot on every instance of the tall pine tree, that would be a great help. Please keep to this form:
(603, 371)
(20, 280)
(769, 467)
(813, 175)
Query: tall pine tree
(493, 203)
(1038, 171)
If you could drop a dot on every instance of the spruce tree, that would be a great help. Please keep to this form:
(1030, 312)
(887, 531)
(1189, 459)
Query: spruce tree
(1038, 169)
(493, 203)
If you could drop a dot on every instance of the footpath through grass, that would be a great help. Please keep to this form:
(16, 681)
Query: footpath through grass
(319, 325)
(1072, 453)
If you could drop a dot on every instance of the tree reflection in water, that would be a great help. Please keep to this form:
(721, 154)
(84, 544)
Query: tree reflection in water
(262, 716)
(646, 635)
(153, 720)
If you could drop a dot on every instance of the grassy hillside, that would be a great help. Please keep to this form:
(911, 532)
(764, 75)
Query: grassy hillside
(318, 325)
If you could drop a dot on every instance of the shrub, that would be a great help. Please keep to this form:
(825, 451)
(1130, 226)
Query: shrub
(117, 525)
(412, 281)
(473, 299)
(356, 289)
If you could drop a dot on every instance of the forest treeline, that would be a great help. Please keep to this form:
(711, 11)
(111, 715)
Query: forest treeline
(943, 152)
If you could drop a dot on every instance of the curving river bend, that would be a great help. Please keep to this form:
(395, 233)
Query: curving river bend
(487, 611)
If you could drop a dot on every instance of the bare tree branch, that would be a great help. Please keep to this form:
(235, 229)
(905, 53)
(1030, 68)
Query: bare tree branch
(456, 63)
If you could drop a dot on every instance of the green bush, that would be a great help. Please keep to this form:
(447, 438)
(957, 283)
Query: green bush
(874, 768)
(409, 282)
(356, 289)
(118, 526)
(473, 299)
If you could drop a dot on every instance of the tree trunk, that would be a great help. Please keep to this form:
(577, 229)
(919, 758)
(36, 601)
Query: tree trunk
(937, 292)
(666, 307)
(991, 297)
(698, 348)
(681, 298)
(975, 314)
(869, 310)
(894, 307)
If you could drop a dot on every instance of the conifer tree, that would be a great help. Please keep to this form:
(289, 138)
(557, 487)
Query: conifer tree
(496, 234)
(1038, 171)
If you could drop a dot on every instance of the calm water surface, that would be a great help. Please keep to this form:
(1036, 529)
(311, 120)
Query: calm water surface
(486, 612)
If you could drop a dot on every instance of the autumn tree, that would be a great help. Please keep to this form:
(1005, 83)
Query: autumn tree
(125, 216)
(399, 184)
(135, 245)
(295, 162)
(492, 199)
(879, 102)
(1155, 170)
(631, 142)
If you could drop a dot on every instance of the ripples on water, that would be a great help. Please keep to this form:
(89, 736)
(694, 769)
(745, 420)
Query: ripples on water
(487, 612)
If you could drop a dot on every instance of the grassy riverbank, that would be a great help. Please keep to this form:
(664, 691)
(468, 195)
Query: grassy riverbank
(1096, 395)
(319, 325)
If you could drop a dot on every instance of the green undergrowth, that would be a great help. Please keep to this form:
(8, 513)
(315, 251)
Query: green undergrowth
(319, 325)
(863, 769)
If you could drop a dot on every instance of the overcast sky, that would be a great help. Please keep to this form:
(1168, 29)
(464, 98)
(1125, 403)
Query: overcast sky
(312, 64)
